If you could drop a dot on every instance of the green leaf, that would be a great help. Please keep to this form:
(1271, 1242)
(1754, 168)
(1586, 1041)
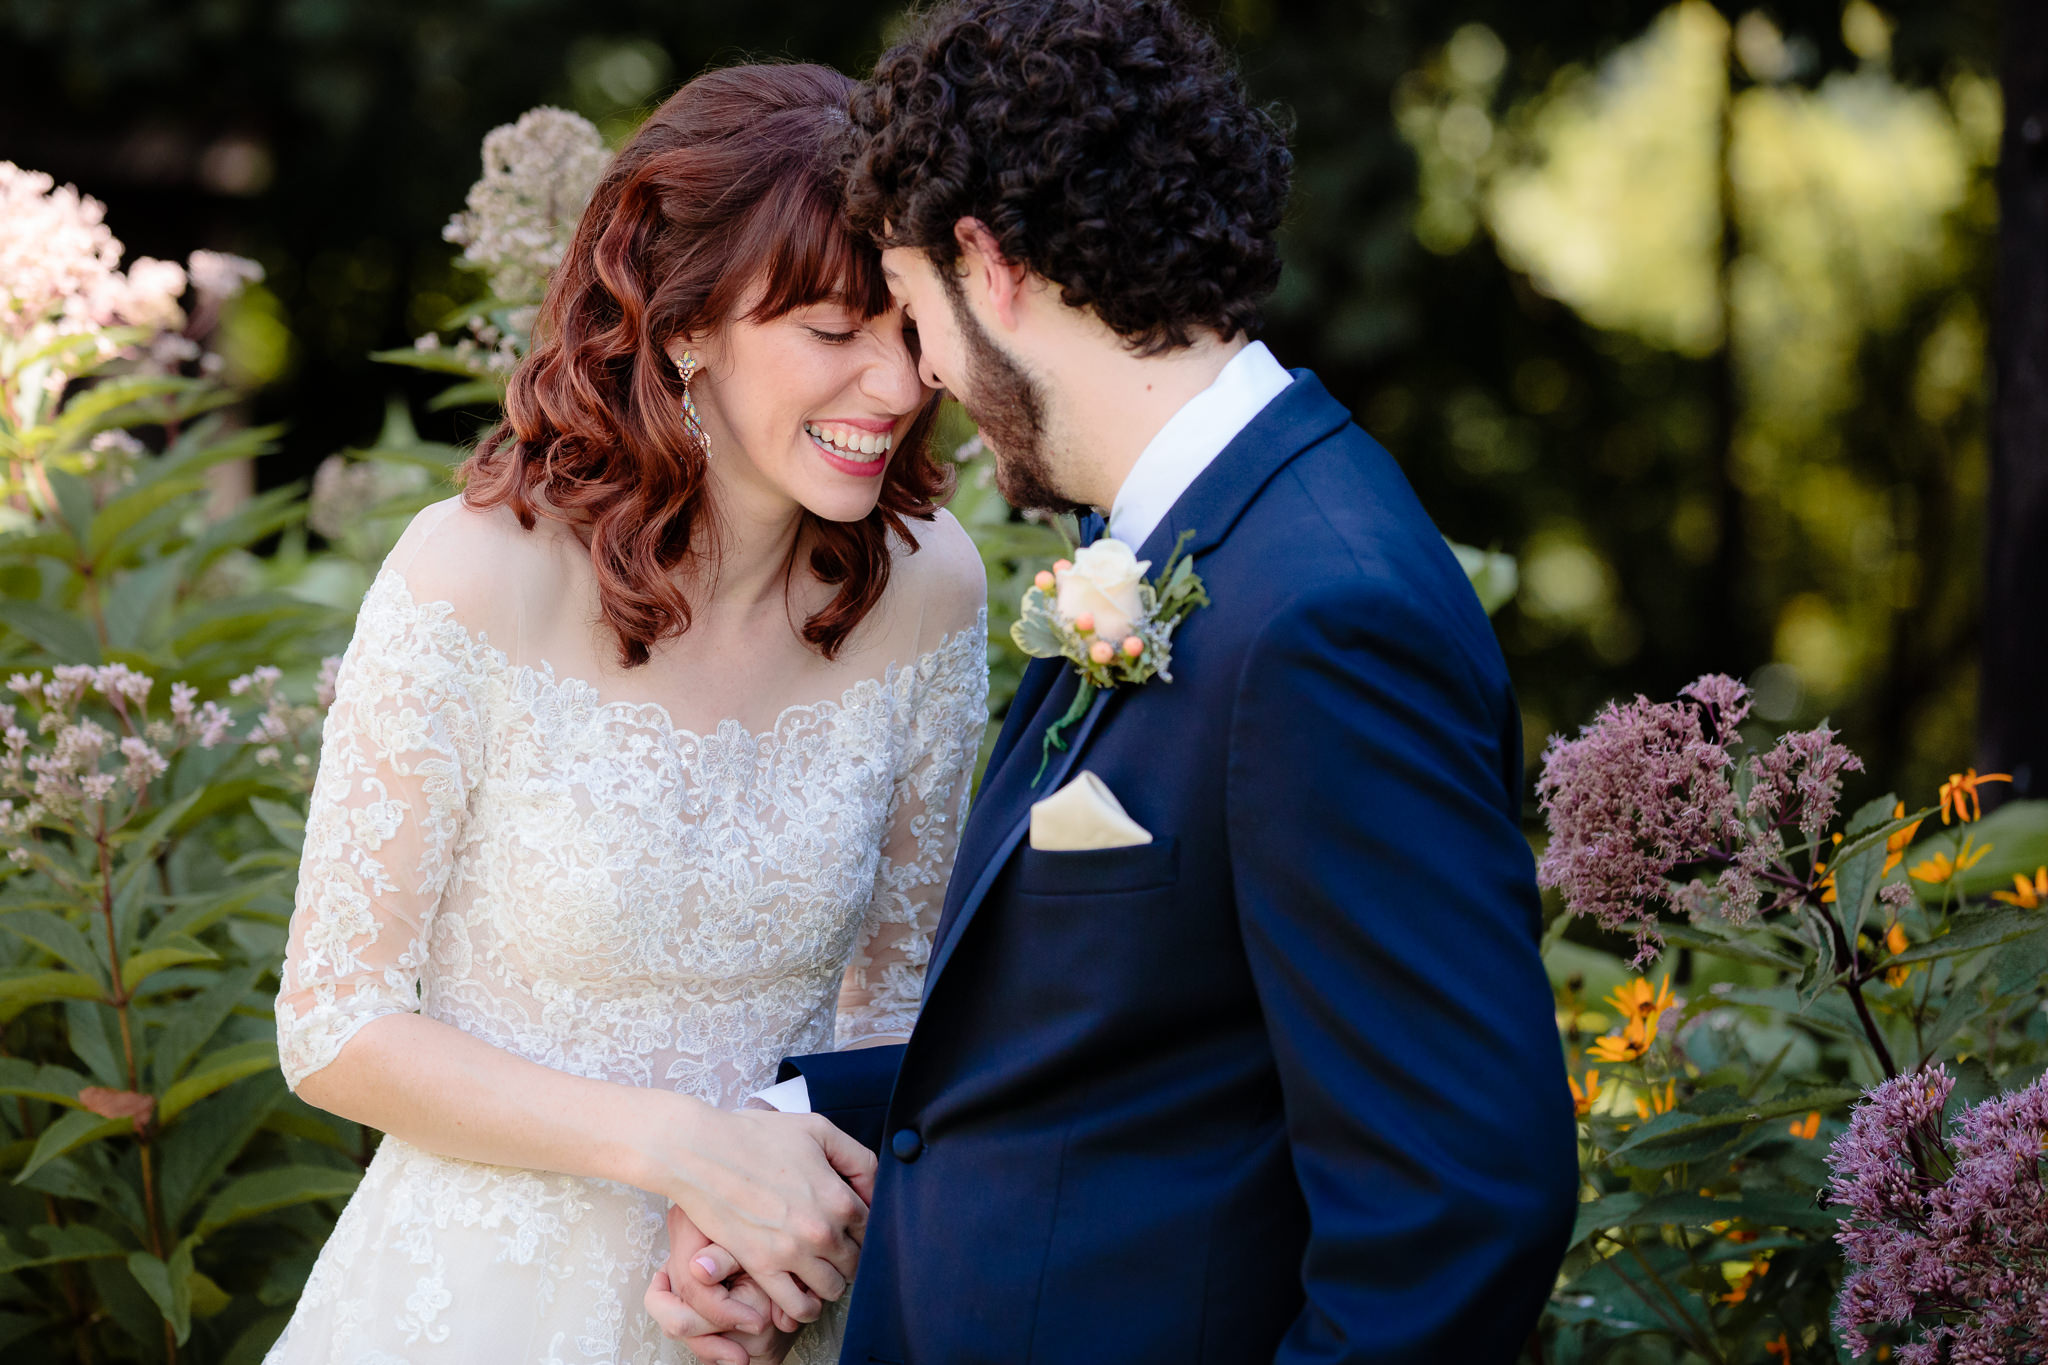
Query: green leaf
(217, 1071)
(1705, 1113)
(91, 1028)
(74, 500)
(211, 1137)
(194, 1021)
(1735, 945)
(168, 1284)
(443, 360)
(18, 993)
(57, 1246)
(68, 1134)
(120, 514)
(1609, 1211)
(87, 412)
(473, 393)
(152, 960)
(1968, 931)
(262, 1192)
(262, 516)
(1871, 814)
(287, 824)
(60, 939)
(56, 1084)
(65, 637)
(140, 603)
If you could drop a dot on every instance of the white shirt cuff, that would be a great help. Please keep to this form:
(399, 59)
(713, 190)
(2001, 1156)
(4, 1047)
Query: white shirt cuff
(792, 1096)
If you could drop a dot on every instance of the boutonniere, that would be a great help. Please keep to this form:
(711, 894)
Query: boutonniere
(1098, 611)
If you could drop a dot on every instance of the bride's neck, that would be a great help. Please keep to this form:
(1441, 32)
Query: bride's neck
(753, 535)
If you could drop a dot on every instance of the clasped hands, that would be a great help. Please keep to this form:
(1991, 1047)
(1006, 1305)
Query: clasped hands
(800, 1246)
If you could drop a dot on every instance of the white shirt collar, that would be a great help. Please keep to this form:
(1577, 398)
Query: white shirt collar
(1192, 439)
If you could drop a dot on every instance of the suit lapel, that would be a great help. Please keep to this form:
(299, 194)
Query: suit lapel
(1302, 415)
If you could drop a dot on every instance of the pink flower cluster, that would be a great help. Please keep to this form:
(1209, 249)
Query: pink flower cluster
(1947, 1234)
(1649, 788)
(83, 763)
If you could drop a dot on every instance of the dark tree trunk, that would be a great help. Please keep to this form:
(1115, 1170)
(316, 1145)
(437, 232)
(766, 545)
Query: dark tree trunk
(2013, 719)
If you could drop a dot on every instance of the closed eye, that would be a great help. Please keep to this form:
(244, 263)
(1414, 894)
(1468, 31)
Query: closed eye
(832, 338)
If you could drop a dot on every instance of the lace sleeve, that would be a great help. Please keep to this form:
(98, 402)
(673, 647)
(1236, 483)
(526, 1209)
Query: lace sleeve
(398, 757)
(948, 711)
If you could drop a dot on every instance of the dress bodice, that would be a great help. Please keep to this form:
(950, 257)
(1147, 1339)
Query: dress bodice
(589, 885)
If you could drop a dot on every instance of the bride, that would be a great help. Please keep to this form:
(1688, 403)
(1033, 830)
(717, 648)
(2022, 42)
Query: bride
(644, 771)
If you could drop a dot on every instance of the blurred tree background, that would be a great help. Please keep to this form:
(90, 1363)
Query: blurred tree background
(1685, 306)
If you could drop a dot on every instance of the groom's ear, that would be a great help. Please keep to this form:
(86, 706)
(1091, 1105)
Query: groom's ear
(982, 263)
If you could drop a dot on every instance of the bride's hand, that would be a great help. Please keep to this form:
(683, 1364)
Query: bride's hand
(786, 1194)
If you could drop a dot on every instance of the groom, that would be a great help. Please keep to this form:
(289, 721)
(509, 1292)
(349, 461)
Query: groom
(1281, 1083)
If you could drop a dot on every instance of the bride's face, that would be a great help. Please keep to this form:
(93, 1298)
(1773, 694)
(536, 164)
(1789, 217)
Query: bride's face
(809, 407)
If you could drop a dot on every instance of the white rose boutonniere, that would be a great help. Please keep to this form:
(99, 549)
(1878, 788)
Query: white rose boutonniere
(1099, 611)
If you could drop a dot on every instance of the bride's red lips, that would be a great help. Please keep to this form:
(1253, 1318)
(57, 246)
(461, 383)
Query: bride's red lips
(877, 425)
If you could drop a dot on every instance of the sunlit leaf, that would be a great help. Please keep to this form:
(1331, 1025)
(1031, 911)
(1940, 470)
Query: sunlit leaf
(280, 1187)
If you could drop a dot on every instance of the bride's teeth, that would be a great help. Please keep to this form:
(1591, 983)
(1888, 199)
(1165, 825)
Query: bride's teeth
(850, 441)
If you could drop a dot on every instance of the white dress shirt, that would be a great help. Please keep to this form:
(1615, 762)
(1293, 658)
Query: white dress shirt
(1192, 439)
(1174, 458)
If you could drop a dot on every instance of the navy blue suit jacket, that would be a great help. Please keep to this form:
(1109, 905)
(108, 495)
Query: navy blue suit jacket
(1283, 1084)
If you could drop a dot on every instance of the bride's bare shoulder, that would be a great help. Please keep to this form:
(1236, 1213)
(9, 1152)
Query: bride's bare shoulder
(481, 561)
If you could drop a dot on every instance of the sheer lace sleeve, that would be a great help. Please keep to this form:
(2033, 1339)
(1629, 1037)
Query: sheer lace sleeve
(947, 712)
(398, 758)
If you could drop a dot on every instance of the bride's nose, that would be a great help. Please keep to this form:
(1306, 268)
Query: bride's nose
(891, 378)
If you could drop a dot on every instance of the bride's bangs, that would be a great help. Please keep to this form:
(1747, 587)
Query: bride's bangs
(812, 256)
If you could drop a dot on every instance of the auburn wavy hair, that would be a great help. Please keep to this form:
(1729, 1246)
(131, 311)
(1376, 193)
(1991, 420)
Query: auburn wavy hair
(733, 183)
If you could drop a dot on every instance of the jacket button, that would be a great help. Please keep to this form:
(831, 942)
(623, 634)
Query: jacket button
(906, 1144)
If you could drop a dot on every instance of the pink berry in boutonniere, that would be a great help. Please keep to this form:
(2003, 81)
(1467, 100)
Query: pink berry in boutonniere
(1098, 611)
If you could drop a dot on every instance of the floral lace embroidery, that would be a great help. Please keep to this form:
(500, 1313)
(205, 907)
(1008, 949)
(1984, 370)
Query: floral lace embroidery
(588, 885)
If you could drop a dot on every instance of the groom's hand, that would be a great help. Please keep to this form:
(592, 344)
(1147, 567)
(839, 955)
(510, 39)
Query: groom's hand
(703, 1299)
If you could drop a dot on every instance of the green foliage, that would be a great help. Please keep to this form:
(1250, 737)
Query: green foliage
(147, 1141)
(1704, 1235)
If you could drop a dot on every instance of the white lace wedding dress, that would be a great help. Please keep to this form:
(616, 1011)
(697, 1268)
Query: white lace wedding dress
(589, 885)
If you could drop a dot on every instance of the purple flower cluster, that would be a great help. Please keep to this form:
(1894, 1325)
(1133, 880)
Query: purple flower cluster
(1947, 1236)
(1649, 788)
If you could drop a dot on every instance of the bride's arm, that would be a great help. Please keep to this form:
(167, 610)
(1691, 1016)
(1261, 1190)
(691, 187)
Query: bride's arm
(402, 751)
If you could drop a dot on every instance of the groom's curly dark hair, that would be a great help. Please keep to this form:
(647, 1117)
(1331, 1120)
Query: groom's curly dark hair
(1108, 144)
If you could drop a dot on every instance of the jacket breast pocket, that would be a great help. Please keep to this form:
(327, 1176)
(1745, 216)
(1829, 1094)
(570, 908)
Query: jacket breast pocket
(1098, 871)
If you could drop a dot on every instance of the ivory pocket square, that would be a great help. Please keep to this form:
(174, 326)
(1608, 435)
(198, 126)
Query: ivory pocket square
(1084, 814)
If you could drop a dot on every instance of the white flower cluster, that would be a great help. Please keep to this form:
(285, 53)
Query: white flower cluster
(346, 492)
(218, 275)
(60, 264)
(61, 276)
(538, 175)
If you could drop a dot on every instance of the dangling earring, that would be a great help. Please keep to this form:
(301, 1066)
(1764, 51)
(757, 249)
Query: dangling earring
(687, 367)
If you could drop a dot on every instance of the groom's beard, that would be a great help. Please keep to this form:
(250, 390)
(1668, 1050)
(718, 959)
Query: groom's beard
(1009, 407)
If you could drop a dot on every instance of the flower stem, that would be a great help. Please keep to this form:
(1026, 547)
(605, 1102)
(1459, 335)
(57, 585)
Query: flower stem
(1853, 984)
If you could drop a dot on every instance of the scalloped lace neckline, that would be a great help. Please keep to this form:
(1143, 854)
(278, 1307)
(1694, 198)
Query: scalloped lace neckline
(442, 612)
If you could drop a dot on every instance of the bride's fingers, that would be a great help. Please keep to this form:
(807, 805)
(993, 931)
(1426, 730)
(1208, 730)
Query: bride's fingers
(792, 1298)
(783, 1321)
(824, 1279)
(854, 1162)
